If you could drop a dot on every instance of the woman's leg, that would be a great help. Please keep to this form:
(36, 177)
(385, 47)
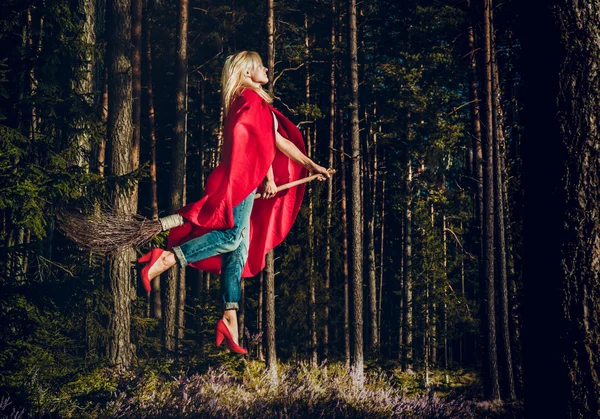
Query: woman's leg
(232, 266)
(217, 241)
(211, 244)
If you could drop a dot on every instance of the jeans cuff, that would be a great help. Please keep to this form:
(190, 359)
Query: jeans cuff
(232, 306)
(180, 257)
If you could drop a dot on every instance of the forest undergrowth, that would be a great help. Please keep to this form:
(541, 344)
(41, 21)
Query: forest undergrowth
(240, 388)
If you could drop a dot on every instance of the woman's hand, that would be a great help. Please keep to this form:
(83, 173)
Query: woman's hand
(269, 188)
(316, 169)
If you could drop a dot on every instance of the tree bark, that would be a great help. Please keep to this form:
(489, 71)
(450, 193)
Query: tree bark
(407, 279)
(345, 252)
(84, 85)
(175, 292)
(269, 271)
(136, 72)
(561, 249)
(372, 181)
(491, 382)
(270, 315)
(156, 300)
(329, 232)
(501, 220)
(355, 203)
(119, 132)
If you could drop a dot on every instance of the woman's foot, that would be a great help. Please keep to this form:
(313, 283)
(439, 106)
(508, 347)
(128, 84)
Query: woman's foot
(164, 262)
(227, 330)
(158, 261)
(230, 320)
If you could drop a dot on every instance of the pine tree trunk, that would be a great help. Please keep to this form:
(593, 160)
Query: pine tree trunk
(433, 340)
(491, 383)
(562, 262)
(270, 315)
(381, 246)
(136, 72)
(259, 321)
(271, 44)
(311, 234)
(84, 85)
(407, 279)
(329, 231)
(269, 271)
(155, 297)
(372, 181)
(119, 132)
(345, 252)
(501, 219)
(355, 203)
(175, 292)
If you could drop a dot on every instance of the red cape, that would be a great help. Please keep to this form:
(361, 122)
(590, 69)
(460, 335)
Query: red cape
(248, 152)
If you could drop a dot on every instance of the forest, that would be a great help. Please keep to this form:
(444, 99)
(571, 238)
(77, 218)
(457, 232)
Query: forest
(448, 268)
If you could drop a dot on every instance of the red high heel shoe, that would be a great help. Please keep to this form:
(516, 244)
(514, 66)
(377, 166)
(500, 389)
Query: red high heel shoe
(150, 257)
(223, 333)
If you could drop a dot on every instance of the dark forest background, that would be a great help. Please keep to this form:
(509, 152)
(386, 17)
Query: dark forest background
(449, 268)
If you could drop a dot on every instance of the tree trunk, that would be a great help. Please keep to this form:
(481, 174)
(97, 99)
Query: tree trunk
(270, 314)
(355, 203)
(491, 383)
(156, 300)
(119, 132)
(136, 72)
(345, 252)
(311, 234)
(501, 220)
(259, 321)
(84, 85)
(433, 340)
(269, 271)
(175, 292)
(561, 248)
(407, 294)
(271, 44)
(372, 180)
(329, 185)
(381, 246)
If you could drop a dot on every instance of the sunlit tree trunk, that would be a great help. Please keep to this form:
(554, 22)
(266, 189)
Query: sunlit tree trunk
(329, 232)
(119, 132)
(269, 271)
(355, 203)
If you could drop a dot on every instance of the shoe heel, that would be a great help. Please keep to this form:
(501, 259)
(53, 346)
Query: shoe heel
(220, 337)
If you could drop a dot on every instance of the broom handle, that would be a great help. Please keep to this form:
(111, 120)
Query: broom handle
(297, 182)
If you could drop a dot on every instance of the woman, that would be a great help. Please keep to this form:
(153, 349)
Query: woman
(226, 231)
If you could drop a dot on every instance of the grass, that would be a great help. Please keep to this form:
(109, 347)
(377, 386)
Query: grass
(245, 389)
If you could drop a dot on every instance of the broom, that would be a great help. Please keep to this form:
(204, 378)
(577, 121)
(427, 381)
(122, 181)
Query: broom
(104, 232)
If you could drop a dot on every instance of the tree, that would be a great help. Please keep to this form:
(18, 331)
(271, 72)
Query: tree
(355, 202)
(119, 133)
(175, 292)
(490, 373)
(561, 182)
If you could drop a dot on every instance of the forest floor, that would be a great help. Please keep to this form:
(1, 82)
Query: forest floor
(244, 388)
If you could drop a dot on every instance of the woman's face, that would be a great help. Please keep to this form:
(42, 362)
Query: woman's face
(259, 75)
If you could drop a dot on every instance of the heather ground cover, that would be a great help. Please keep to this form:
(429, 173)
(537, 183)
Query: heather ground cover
(245, 389)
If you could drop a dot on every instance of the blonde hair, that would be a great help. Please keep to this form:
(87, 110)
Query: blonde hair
(233, 78)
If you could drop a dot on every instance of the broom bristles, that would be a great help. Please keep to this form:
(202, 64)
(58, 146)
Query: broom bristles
(103, 232)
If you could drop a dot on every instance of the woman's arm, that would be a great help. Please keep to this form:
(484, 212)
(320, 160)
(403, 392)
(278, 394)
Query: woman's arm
(289, 149)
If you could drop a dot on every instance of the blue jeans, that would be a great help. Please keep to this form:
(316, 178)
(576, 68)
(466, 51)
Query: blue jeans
(231, 244)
